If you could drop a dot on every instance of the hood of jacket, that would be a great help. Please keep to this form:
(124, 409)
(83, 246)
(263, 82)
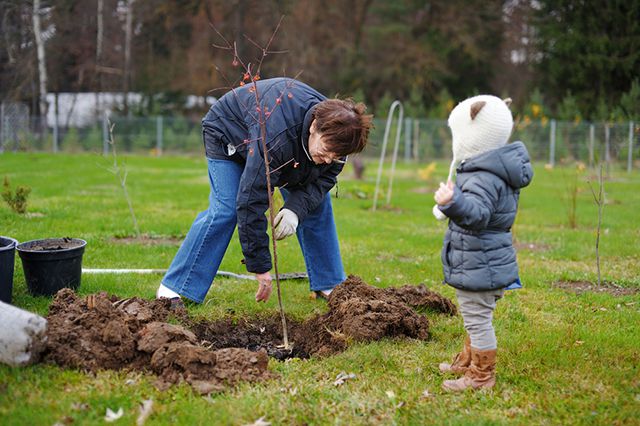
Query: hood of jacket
(511, 163)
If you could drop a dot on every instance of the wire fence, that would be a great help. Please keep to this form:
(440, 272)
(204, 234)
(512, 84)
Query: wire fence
(420, 140)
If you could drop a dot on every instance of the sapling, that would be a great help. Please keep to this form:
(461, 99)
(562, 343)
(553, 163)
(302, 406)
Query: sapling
(599, 199)
(18, 200)
(121, 173)
(260, 116)
(572, 195)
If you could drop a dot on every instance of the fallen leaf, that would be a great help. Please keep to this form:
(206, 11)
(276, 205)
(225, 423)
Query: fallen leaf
(579, 342)
(426, 394)
(79, 406)
(145, 411)
(343, 377)
(112, 416)
(259, 422)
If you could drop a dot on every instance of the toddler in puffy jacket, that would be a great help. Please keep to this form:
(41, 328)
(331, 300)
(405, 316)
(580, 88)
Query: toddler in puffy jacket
(478, 256)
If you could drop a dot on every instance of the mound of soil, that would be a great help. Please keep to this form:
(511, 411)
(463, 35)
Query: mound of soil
(102, 332)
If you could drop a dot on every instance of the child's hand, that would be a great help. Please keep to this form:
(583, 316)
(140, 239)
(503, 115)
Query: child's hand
(444, 194)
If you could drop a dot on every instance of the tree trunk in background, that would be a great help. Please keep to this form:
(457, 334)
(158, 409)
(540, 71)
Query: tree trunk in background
(239, 12)
(99, 38)
(127, 55)
(42, 66)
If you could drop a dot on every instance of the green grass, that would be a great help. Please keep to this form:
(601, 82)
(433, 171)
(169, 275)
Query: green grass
(563, 358)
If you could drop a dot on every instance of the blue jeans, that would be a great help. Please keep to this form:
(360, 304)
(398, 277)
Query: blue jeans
(195, 266)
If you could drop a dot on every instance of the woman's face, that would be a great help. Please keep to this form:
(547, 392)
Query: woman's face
(318, 147)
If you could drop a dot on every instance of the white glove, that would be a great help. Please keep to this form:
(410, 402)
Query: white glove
(437, 213)
(286, 223)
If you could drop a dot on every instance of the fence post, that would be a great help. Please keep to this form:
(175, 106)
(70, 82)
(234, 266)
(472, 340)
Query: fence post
(630, 153)
(105, 134)
(159, 136)
(592, 139)
(55, 133)
(607, 147)
(407, 139)
(416, 140)
(552, 143)
(2, 127)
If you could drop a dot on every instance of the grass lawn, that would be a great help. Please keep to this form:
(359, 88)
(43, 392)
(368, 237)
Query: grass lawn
(564, 358)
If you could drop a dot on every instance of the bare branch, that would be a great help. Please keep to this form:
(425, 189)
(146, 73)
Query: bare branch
(282, 165)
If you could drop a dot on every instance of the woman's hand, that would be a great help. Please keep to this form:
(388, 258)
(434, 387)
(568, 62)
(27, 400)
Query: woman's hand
(264, 287)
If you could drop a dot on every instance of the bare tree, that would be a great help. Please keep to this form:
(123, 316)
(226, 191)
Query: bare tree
(99, 39)
(121, 173)
(42, 66)
(599, 200)
(126, 79)
(261, 116)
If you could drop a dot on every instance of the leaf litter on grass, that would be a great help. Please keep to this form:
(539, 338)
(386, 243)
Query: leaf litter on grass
(104, 332)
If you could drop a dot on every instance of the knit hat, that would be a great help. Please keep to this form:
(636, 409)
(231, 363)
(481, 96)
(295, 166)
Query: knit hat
(478, 124)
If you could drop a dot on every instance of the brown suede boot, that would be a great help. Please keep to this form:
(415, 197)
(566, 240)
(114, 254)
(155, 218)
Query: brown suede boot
(461, 360)
(480, 374)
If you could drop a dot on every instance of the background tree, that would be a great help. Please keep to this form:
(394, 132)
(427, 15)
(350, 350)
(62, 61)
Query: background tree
(591, 48)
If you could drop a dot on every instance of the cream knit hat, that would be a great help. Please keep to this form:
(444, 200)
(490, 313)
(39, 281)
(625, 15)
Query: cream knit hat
(478, 124)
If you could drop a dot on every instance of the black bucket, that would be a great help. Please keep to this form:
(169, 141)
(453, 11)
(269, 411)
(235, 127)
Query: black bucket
(7, 259)
(52, 264)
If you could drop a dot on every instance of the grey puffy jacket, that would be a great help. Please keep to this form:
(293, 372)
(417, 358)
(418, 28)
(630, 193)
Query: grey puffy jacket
(478, 252)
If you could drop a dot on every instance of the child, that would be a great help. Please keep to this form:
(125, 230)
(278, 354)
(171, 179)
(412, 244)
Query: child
(478, 256)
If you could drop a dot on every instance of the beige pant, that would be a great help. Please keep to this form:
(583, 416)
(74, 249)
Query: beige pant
(477, 308)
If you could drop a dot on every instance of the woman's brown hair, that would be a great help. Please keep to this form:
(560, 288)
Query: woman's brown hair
(343, 124)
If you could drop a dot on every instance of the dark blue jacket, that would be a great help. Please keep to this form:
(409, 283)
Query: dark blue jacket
(478, 252)
(232, 132)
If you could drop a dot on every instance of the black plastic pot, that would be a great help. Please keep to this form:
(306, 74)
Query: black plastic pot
(52, 264)
(7, 259)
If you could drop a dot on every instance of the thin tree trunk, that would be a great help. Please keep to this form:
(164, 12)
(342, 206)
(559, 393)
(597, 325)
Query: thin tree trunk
(127, 55)
(99, 39)
(600, 202)
(42, 66)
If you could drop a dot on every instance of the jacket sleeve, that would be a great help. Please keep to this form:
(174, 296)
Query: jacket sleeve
(251, 204)
(473, 203)
(304, 200)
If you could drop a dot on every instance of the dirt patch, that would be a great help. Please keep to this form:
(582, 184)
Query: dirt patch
(149, 240)
(534, 247)
(357, 312)
(104, 332)
(580, 287)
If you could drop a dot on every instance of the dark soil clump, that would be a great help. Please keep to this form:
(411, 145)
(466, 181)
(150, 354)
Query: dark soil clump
(53, 244)
(357, 312)
(104, 332)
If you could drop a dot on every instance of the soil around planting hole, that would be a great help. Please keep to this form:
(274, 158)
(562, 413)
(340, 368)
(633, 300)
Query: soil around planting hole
(533, 247)
(104, 332)
(149, 240)
(580, 287)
